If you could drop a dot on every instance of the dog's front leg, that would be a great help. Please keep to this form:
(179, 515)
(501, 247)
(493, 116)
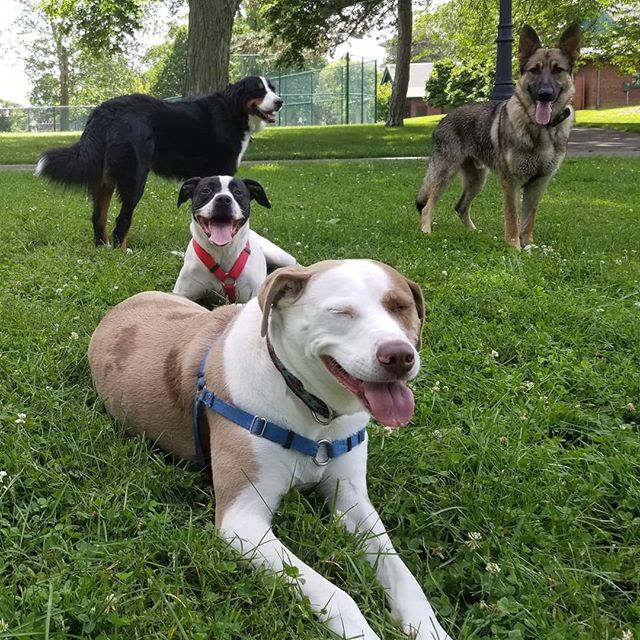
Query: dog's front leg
(532, 194)
(246, 525)
(407, 602)
(510, 192)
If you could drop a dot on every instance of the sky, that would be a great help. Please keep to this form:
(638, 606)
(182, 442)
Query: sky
(14, 84)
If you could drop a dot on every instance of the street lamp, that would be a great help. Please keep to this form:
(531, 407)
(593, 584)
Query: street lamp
(503, 84)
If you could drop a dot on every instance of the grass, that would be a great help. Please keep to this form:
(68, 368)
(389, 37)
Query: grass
(525, 429)
(275, 143)
(620, 119)
(336, 141)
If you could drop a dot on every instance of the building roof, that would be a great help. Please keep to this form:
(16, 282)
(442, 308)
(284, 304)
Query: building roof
(419, 73)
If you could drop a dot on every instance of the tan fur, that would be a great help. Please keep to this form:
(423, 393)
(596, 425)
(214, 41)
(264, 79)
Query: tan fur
(144, 359)
(405, 301)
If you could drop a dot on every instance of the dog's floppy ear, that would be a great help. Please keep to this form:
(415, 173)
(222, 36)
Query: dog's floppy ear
(286, 282)
(418, 298)
(187, 189)
(257, 192)
(570, 43)
(529, 44)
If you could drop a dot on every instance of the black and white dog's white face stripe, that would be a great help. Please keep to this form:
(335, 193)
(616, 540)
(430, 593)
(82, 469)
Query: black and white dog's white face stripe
(271, 101)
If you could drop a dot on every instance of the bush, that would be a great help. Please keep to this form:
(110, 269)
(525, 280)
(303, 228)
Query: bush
(452, 84)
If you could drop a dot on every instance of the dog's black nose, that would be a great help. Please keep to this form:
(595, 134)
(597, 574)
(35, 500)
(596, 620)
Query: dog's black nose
(222, 199)
(278, 102)
(545, 94)
(396, 356)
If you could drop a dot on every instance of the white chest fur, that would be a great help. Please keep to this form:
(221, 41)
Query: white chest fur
(255, 126)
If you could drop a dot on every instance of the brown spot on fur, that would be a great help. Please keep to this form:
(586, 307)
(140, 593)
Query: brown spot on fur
(405, 302)
(172, 374)
(124, 345)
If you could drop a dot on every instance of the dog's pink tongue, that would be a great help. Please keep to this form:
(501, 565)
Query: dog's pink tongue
(221, 233)
(543, 112)
(391, 403)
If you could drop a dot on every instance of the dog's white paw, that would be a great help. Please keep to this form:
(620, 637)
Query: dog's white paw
(128, 251)
(428, 629)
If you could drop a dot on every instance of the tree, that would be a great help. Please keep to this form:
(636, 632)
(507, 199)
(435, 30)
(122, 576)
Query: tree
(68, 27)
(166, 76)
(209, 40)
(316, 25)
(616, 40)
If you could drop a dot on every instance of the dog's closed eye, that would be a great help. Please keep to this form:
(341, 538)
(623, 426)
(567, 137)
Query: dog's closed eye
(345, 312)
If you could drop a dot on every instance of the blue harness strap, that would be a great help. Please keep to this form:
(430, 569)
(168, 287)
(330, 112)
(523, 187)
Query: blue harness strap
(321, 451)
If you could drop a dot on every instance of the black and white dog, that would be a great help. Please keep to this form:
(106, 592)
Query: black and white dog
(224, 255)
(127, 137)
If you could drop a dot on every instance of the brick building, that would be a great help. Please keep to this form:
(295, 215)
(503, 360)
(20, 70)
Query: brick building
(419, 73)
(599, 87)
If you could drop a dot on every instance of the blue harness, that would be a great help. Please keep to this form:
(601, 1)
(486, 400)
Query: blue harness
(321, 451)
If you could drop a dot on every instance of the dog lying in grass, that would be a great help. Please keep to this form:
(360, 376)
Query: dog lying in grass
(283, 387)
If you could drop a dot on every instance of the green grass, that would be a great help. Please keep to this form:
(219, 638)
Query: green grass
(336, 141)
(620, 119)
(104, 537)
(275, 143)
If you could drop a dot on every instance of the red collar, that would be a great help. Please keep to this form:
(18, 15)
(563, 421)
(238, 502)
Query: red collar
(228, 280)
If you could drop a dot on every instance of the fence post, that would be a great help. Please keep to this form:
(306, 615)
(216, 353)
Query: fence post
(362, 91)
(375, 91)
(346, 119)
(54, 119)
(280, 93)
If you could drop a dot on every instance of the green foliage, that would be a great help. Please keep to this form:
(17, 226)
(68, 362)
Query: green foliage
(436, 86)
(617, 40)
(98, 26)
(454, 84)
(315, 26)
(465, 30)
(384, 100)
(10, 118)
(167, 62)
(523, 430)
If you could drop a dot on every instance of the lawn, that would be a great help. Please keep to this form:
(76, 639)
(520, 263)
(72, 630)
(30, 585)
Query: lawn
(336, 141)
(514, 495)
(621, 119)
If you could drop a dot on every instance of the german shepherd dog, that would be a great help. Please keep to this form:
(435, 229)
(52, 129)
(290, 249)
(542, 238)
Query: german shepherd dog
(523, 139)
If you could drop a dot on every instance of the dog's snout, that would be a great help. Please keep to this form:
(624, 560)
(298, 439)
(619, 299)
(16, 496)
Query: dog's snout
(396, 356)
(222, 199)
(545, 94)
(278, 102)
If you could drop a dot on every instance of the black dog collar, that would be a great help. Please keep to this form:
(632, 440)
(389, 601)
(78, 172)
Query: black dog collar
(321, 412)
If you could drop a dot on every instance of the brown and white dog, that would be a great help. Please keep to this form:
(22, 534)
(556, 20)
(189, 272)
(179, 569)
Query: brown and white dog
(349, 332)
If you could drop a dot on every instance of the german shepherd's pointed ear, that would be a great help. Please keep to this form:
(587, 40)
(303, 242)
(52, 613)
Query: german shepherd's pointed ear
(257, 193)
(285, 283)
(529, 44)
(187, 189)
(570, 43)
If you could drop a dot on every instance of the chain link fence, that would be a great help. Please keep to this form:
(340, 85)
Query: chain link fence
(343, 92)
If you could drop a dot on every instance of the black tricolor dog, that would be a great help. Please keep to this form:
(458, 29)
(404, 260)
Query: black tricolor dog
(129, 136)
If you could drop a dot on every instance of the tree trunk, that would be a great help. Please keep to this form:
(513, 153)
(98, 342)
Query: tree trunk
(209, 41)
(403, 60)
(62, 55)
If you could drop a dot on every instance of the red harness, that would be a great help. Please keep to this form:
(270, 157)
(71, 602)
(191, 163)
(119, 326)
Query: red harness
(228, 280)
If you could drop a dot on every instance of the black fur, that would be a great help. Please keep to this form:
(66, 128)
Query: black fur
(129, 136)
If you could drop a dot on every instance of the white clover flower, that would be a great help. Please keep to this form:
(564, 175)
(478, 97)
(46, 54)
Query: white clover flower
(444, 273)
(436, 387)
(3, 475)
(630, 407)
(58, 291)
(437, 434)
(112, 601)
(492, 567)
(528, 385)
(599, 309)
(637, 304)
(494, 353)
(73, 335)
(3, 626)
(21, 417)
(627, 634)
(473, 539)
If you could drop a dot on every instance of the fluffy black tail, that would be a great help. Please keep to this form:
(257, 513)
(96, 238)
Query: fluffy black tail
(81, 164)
